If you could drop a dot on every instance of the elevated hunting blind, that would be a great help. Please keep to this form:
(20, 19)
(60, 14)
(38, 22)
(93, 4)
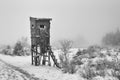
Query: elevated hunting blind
(40, 42)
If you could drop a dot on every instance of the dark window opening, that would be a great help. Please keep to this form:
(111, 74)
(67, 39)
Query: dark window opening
(32, 26)
(42, 26)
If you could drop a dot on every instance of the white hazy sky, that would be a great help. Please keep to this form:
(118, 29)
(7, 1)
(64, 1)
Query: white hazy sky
(84, 21)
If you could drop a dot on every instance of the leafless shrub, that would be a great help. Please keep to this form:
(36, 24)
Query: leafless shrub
(87, 72)
(67, 65)
(66, 45)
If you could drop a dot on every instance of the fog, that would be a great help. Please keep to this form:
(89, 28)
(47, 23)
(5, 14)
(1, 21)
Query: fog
(83, 21)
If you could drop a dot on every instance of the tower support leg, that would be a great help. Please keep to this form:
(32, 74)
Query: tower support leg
(32, 54)
(43, 62)
(49, 63)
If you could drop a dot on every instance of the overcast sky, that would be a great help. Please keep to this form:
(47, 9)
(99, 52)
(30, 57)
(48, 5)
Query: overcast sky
(84, 21)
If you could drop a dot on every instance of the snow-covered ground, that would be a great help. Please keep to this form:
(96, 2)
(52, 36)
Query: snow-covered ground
(9, 73)
(53, 73)
(41, 72)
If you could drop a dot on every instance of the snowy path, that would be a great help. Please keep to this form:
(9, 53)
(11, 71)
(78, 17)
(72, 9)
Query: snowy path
(9, 73)
(41, 72)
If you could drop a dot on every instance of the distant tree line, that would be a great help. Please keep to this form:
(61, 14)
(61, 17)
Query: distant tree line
(20, 48)
(112, 39)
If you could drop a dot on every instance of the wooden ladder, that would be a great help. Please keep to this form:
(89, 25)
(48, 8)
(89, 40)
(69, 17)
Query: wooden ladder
(54, 59)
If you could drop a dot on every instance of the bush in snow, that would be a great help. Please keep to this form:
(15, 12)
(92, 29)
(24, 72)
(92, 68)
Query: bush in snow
(72, 67)
(78, 60)
(67, 65)
(101, 65)
(87, 71)
(81, 52)
(21, 48)
(93, 51)
(108, 68)
(18, 49)
(7, 50)
(105, 78)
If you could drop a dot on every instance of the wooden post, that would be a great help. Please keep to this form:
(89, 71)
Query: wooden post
(36, 56)
(49, 63)
(32, 54)
(43, 62)
(40, 56)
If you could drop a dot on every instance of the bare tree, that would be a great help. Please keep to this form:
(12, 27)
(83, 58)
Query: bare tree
(65, 46)
(65, 63)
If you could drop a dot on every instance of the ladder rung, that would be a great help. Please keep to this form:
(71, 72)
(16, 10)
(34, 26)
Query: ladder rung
(46, 56)
(47, 61)
(36, 56)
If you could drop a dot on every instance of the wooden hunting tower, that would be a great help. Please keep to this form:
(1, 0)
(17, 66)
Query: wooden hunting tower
(40, 41)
